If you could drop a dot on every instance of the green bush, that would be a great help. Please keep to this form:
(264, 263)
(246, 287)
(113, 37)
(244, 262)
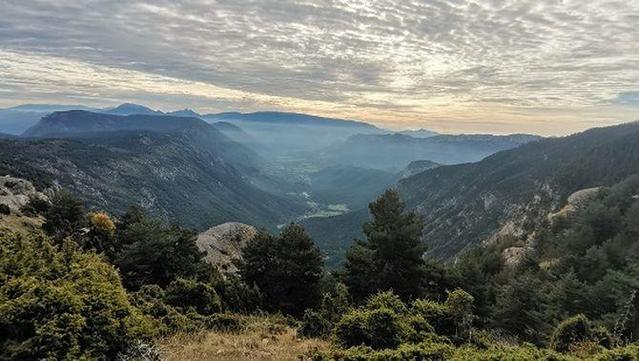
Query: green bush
(570, 332)
(387, 300)
(314, 324)
(436, 314)
(352, 329)
(627, 353)
(385, 328)
(35, 206)
(187, 293)
(237, 296)
(60, 303)
(417, 328)
(423, 351)
(224, 322)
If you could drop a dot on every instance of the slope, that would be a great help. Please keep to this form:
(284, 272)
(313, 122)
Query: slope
(506, 192)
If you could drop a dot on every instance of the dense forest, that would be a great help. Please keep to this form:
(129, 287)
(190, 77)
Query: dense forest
(91, 285)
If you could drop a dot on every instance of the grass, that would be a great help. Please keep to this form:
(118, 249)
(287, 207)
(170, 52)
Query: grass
(260, 340)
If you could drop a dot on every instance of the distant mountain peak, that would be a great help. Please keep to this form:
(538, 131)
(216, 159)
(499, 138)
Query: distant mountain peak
(74, 123)
(287, 118)
(186, 112)
(131, 108)
(419, 133)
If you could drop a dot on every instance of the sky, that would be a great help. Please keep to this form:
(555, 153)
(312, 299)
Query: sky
(549, 67)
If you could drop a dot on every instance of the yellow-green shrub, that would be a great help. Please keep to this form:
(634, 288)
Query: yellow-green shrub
(61, 303)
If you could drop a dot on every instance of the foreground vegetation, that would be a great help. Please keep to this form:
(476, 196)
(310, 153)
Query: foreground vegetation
(89, 286)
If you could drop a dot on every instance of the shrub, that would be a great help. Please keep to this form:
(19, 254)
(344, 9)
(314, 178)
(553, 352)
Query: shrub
(237, 296)
(101, 222)
(385, 328)
(35, 206)
(436, 314)
(430, 351)
(314, 324)
(185, 293)
(570, 332)
(64, 217)
(417, 328)
(4, 209)
(387, 300)
(352, 329)
(60, 303)
(224, 322)
(459, 305)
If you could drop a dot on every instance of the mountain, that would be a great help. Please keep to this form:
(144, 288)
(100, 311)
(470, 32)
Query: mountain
(16, 120)
(352, 186)
(6, 136)
(179, 168)
(79, 122)
(503, 194)
(48, 108)
(130, 109)
(417, 166)
(184, 113)
(287, 118)
(419, 133)
(284, 134)
(393, 152)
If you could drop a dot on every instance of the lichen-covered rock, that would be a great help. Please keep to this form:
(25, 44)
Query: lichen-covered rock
(223, 244)
(514, 256)
(16, 192)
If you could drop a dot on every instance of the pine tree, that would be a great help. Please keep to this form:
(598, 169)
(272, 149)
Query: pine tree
(287, 269)
(391, 257)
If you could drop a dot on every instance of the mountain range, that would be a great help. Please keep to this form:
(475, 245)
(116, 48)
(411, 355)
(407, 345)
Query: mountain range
(182, 169)
(263, 168)
(393, 152)
(504, 194)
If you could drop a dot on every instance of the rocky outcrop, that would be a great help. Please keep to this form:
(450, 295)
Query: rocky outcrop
(574, 201)
(16, 193)
(417, 166)
(223, 244)
(514, 256)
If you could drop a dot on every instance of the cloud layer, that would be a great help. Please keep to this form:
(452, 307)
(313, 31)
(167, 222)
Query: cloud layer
(548, 66)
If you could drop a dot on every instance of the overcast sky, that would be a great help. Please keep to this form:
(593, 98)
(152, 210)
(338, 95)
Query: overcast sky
(543, 66)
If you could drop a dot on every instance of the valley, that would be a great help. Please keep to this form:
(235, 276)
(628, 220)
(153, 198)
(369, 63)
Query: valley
(442, 236)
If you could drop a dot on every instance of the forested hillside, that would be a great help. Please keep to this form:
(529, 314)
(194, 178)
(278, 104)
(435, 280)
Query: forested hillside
(465, 204)
(569, 294)
(178, 168)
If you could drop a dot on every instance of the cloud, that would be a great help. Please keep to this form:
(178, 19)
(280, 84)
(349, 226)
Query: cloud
(393, 62)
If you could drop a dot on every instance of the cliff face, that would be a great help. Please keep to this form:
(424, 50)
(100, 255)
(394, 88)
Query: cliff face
(223, 244)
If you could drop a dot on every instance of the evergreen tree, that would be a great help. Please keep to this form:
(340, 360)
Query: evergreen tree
(151, 253)
(287, 269)
(391, 256)
(65, 217)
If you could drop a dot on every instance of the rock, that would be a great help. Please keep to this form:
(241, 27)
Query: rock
(417, 166)
(16, 192)
(514, 256)
(223, 244)
(574, 201)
